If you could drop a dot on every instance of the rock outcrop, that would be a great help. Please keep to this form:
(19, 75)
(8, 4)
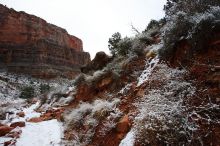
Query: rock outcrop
(99, 62)
(17, 124)
(5, 130)
(30, 45)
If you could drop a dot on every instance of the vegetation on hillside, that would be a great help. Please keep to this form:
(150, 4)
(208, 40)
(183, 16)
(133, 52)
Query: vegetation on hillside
(191, 20)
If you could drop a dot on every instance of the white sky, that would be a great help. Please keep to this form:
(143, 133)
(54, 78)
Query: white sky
(94, 21)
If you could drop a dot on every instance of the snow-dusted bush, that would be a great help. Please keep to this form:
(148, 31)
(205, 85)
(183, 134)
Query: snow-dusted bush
(79, 79)
(2, 113)
(88, 114)
(187, 21)
(44, 88)
(176, 29)
(139, 43)
(189, 6)
(166, 113)
(96, 76)
(205, 25)
(135, 45)
(152, 24)
(27, 92)
(119, 46)
(94, 110)
(124, 46)
(115, 65)
(111, 70)
(162, 118)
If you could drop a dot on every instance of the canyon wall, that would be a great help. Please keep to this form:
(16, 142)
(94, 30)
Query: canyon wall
(30, 45)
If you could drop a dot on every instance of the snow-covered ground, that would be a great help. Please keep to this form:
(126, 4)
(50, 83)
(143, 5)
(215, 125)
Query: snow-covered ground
(150, 65)
(46, 133)
(128, 140)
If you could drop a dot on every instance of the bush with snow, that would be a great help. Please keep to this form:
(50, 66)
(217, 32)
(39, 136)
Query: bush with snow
(194, 21)
(27, 92)
(161, 117)
(88, 115)
(44, 88)
(166, 115)
(128, 46)
(205, 25)
(189, 6)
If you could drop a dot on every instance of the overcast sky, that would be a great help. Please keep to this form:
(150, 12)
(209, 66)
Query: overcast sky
(94, 21)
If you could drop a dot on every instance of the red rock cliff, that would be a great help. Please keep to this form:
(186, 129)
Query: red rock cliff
(28, 44)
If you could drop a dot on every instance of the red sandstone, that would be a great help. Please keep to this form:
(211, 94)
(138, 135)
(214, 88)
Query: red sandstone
(30, 45)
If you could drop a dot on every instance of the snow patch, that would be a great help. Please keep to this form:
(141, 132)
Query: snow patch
(150, 65)
(4, 139)
(125, 89)
(47, 133)
(30, 113)
(129, 139)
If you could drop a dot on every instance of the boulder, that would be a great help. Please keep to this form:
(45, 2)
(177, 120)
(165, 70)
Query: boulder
(21, 114)
(5, 130)
(99, 62)
(35, 120)
(18, 124)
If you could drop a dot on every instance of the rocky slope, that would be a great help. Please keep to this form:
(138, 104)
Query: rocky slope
(167, 94)
(28, 44)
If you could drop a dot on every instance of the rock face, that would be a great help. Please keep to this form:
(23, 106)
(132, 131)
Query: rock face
(28, 44)
(99, 62)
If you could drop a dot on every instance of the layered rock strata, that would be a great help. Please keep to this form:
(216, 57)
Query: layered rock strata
(30, 45)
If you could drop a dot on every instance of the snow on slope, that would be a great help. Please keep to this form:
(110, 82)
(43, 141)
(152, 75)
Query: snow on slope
(46, 133)
(129, 139)
(150, 65)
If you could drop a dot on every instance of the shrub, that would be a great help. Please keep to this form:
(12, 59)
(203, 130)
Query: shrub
(124, 46)
(113, 43)
(146, 39)
(138, 47)
(2, 114)
(204, 28)
(162, 116)
(197, 29)
(176, 30)
(79, 79)
(119, 46)
(188, 6)
(27, 92)
(153, 24)
(44, 88)
(89, 115)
